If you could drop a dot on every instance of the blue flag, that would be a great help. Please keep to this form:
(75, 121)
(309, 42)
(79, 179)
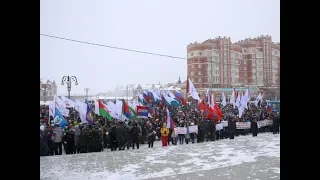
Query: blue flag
(59, 119)
(89, 116)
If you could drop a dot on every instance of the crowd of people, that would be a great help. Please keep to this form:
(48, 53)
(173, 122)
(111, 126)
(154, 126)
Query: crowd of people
(115, 135)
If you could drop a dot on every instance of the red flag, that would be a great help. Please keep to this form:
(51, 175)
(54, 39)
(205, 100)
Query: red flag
(202, 106)
(125, 108)
(217, 109)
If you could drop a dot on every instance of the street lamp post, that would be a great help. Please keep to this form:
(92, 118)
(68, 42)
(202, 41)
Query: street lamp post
(69, 80)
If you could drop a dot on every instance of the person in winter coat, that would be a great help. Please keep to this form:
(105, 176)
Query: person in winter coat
(187, 135)
(90, 141)
(254, 126)
(105, 135)
(43, 142)
(174, 138)
(49, 132)
(96, 139)
(275, 125)
(136, 134)
(151, 136)
(129, 136)
(181, 136)
(192, 135)
(231, 127)
(58, 135)
(121, 134)
(77, 133)
(113, 138)
(213, 131)
(164, 131)
(83, 139)
(204, 128)
(70, 140)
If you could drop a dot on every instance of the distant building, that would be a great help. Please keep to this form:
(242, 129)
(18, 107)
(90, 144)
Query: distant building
(47, 88)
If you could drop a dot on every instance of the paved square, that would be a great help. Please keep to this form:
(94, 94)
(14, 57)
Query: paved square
(245, 157)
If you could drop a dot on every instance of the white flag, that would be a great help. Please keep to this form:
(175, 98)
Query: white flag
(68, 102)
(192, 91)
(52, 108)
(242, 105)
(96, 107)
(81, 107)
(246, 99)
(212, 101)
(224, 103)
(61, 106)
(259, 98)
(118, 110)
(112, 110)
(233, 98)
(238, 101)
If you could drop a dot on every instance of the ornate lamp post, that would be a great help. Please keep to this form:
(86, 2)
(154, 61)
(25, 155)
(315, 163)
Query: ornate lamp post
(69, 80)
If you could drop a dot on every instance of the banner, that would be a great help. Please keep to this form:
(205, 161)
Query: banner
(183, 130)
(219, 127)
(193, 129)
(224, 123)
(247, 125)
(142, 111)
(243, 125)
(180, 130)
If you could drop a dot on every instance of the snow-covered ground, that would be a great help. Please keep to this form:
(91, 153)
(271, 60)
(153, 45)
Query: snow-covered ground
(245, 157)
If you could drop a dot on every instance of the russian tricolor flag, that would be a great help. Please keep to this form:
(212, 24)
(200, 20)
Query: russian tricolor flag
(170, 123)
(180, 97)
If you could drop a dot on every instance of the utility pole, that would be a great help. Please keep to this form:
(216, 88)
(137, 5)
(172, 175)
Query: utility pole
(87, 90)
(127, 92)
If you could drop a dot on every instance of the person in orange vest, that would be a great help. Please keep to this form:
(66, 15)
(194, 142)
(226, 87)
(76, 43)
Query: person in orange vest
(164, 131)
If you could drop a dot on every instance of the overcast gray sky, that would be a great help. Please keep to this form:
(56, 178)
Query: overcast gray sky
(159, 26)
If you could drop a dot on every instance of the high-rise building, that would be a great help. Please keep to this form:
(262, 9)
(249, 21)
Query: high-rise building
(219, 63)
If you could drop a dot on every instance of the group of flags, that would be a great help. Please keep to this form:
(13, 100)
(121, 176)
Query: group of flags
(241, 101)
(58, 110)
(143, 107)
(161, 98)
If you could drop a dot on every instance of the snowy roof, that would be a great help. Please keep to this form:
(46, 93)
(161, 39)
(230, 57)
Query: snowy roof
(108, 97)
(147, 86)
(171, 88)
(45, 81)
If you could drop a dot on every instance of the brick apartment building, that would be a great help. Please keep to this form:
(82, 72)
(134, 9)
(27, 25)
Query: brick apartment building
(219, 63)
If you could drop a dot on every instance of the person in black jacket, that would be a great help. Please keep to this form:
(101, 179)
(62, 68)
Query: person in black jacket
(231, 126)
(121, 134)
(213, 131)
(254, 126)
(43, 143)
(113, 138)
(70, 140)
(275, 125)
(151, 136)
(49, 133)
(83, 140)
(136, 134)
